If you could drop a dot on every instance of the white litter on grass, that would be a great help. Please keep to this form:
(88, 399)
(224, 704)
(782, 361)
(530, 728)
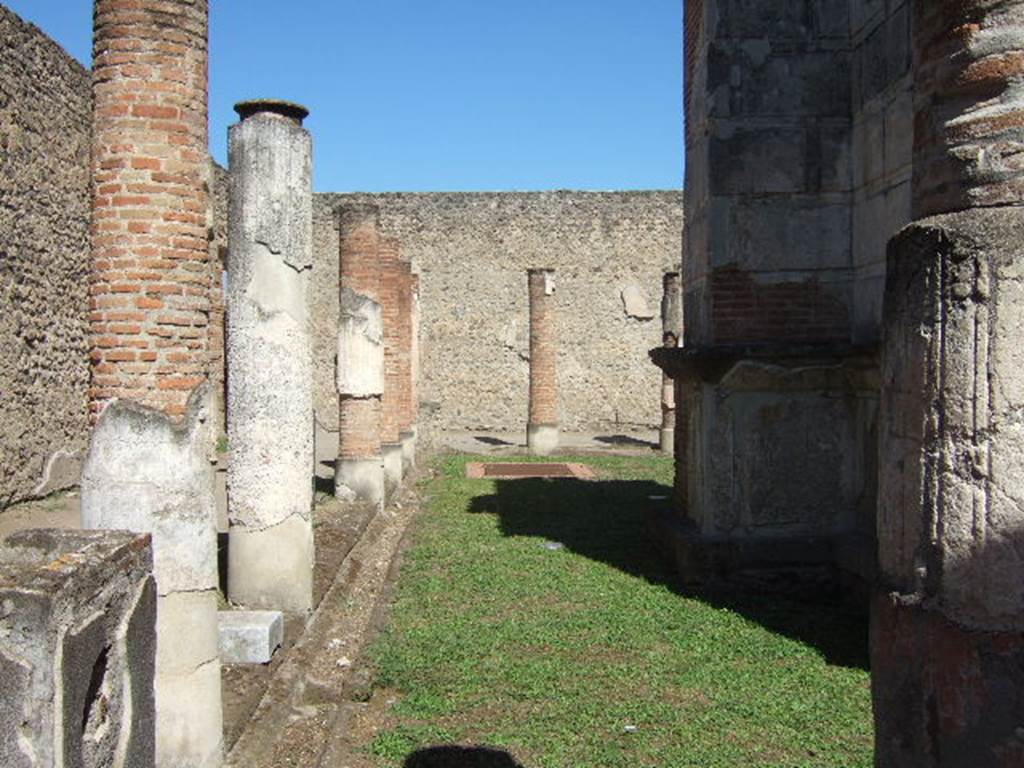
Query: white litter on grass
(630, 729)
(344, 661)
(554, 546)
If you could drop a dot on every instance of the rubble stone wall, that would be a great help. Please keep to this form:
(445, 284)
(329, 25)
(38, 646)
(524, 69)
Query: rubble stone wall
(45, 114)
(472, 251)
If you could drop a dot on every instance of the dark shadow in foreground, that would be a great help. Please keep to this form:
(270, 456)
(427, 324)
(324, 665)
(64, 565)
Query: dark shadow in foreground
(460, 757)
(488, 440)
(626, 440)
(606, 521)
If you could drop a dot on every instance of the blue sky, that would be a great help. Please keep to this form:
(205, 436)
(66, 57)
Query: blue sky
(412, 95)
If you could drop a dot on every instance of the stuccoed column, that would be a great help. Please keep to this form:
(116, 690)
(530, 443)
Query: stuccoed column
(170, 496)
(270, 374)
(542, 428)
(359, 472)
(671, 332)
(148, 466)
(947, 625)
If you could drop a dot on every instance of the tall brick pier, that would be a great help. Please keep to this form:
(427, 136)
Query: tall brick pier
(151, 217)
(947, 634)
(391, 427)
(359, 472)
(542, 428)
(148, 468)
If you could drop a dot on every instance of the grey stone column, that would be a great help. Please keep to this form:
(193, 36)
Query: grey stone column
(947, 625)
(671, 333)
(269, 358)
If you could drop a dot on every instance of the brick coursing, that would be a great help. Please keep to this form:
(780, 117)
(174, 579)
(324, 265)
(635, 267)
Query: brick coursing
(150, 284)
(359, 419)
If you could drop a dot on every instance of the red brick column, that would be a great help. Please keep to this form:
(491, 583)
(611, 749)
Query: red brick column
(149, 322)
(672, 331)
(542, 428)
(390, 289)
(150, 291)
(414, 353)
(969, 118)
(359, 472)
(359, 434)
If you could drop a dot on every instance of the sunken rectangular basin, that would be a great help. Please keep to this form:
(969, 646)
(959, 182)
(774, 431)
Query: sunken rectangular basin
(524, 470)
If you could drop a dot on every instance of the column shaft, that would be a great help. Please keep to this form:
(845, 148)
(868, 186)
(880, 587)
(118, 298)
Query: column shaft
(270, 380)
(542, 428)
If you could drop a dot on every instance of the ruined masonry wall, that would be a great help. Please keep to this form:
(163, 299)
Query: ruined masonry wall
(472, 251)
(45, 113)
(882, 147)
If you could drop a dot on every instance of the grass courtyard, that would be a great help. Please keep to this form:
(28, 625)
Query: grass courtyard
(536, 617)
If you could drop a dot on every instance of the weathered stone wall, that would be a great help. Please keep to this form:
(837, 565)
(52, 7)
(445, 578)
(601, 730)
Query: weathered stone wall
(768, 172)
(472, 252)
(45, 113)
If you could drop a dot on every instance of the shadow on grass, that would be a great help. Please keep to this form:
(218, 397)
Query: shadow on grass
(606, 522)
(460, 757)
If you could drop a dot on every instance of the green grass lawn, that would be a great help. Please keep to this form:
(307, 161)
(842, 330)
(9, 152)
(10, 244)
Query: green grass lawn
(591, 654)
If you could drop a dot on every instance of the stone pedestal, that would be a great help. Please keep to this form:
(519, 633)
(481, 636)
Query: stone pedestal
(270, 380)
(542, 428)
(77, 646)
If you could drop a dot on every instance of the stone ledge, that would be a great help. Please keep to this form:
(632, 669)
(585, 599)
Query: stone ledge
(713, 364)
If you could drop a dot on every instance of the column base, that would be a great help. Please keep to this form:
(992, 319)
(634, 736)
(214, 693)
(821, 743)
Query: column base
(944, 694)
(667, 440)
(360, 480)
(272, 568)
(542, 439)
(408, 451)
(392, 453)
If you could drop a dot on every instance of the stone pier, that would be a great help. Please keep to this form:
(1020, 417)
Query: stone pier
(391, 428)
(542, 427)
(77, 645)
(947, 630)
(270, 376)
(671, 333)
(148, 466)
(359, 472)
(406, 434)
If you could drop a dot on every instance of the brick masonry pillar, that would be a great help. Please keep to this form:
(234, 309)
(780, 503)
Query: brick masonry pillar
(270, 359)
(947, 629)
(542, 427)
(390, 285)
(148, 467)
(414, 354)
(671, 333)
(405, 308)
(359, 472)
(149, 309)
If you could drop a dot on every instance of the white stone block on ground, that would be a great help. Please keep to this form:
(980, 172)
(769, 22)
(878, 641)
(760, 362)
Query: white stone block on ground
(249, 637)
